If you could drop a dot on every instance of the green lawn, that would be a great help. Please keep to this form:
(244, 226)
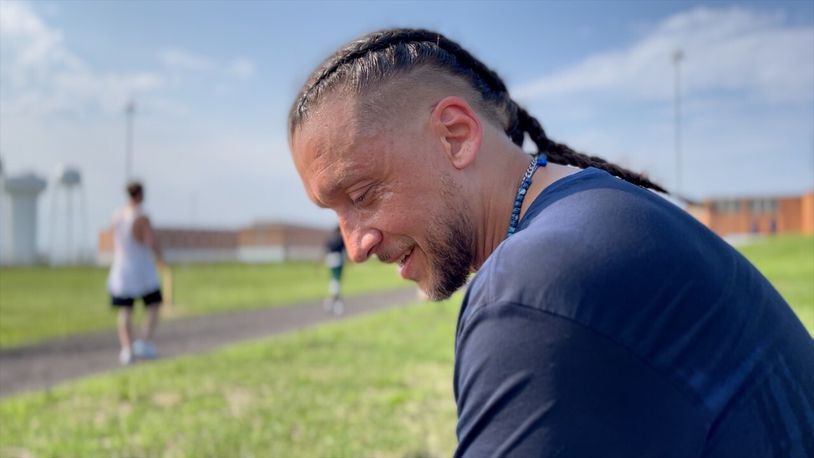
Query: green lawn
(374, 386)
(39, 303)
(377, 385)
(788, 262)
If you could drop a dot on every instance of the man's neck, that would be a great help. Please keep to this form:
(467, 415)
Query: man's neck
(498, 197)
(545, 177)
(502, 168)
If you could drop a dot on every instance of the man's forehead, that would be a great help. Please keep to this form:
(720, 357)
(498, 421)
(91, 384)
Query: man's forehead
(334, 155)
(328, 130)
(328, 178)
(341, 141)
(332, 166)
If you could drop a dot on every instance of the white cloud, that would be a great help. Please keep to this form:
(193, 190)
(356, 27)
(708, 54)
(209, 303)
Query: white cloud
(56, 107)
(40, 76)
(241, 68)
(730, 49)
(181, 60)
(747, 117)
(30, 49)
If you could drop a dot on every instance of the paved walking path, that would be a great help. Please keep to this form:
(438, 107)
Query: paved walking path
(42, 365)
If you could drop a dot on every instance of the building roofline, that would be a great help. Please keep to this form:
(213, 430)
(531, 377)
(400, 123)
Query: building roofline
(719, 197)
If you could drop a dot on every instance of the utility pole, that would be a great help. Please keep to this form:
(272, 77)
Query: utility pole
(129, 111)
(678, 56)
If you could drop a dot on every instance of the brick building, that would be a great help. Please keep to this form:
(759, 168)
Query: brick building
(757, 215)
(264, 242)
(260, 242)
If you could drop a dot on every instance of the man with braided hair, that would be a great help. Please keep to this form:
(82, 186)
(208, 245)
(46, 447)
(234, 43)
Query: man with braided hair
(602, 320)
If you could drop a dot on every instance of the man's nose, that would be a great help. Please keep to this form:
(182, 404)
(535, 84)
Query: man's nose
(360, 242)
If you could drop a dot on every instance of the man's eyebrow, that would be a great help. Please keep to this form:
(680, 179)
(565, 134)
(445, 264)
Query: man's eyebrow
(342, 180)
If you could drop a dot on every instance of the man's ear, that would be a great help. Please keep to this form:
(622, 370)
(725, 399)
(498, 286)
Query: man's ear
(459, 130)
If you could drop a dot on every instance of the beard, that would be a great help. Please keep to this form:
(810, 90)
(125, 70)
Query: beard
(450, 248)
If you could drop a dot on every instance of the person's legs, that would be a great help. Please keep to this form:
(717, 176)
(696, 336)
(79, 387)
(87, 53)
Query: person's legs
(125, 325)
(338, 306)
(333, 289)
(125, 328)
(144, 347)
(336, 291)
(150, 322)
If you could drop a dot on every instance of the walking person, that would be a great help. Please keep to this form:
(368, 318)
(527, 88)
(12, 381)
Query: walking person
(134, 276)
(335, 261)
(602, 320)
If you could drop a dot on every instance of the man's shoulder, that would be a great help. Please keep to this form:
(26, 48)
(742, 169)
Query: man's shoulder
(560, 247)
(583, 249)
(525, 269)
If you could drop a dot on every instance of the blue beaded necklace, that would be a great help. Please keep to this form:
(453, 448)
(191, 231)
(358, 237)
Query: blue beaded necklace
(538, 160)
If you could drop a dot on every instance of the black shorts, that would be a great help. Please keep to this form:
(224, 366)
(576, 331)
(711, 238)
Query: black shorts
(149, 299)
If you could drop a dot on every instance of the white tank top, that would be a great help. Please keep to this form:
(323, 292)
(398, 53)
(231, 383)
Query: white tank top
(133, 273)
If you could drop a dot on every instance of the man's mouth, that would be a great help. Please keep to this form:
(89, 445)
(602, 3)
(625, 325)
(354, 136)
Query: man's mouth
(403, 259)
(405, 265)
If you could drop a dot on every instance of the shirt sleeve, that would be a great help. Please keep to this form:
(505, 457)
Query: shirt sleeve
(529, 383)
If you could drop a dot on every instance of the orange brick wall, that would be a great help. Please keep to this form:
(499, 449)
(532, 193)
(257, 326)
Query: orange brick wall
(299, 236)
(196, 238)
(731, 223)
(178, 238)
(807, 213)
(281, 235)
(261, 235)
(790, 218)
(792, 214)
(257, 243)
(702, 213)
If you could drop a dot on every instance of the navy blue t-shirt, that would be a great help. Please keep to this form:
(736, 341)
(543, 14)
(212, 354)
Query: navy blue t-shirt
(613, 324)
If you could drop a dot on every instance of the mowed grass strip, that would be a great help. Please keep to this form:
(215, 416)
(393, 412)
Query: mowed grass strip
(378, 385)
(41, 303)
(788, 262)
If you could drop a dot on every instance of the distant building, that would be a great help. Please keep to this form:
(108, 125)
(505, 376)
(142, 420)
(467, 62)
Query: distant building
(756, 215)
(261, 242)
(18, 218)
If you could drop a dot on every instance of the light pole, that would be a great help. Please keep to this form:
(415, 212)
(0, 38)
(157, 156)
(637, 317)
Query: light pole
(129, 111)
(678, 56)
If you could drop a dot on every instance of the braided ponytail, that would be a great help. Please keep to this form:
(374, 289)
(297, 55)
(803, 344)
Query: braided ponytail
(560, 153)
(382, 55)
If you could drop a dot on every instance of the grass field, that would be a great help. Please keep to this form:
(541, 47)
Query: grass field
(374, 386)
(788, 262)
(40, 303)
(378, 385)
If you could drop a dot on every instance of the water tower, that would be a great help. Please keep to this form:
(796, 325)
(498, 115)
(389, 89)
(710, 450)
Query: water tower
(67, 194)
(3, 216)
(19, 218)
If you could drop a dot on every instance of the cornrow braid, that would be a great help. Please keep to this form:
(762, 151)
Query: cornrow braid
(381, 55)
(452, 58)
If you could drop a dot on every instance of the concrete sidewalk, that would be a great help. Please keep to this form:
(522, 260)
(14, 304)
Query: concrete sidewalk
(42, 365)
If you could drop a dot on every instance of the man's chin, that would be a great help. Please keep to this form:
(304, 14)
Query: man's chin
(440, 289)
(426, 292)
(434, 294)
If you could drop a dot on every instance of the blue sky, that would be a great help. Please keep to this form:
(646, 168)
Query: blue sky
(213, 82)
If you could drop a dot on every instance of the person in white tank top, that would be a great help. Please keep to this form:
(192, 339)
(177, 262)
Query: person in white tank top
(133, 275)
